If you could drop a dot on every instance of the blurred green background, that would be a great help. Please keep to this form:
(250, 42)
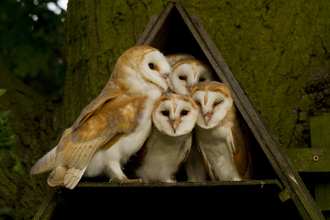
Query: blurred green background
(32, 43)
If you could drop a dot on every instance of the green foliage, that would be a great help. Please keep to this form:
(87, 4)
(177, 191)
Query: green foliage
(31, 43)
(7, 138)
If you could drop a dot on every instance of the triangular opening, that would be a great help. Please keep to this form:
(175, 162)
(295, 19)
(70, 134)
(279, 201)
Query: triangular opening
(174, 36)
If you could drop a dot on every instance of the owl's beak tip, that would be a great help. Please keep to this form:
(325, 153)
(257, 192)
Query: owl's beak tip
(207, 117)
(175, 125)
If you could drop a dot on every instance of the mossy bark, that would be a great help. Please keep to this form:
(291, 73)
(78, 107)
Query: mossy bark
(278, 51)
(37, 124)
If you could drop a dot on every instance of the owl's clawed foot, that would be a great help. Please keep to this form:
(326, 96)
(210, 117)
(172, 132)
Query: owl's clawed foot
(115, 180)
(135, 181)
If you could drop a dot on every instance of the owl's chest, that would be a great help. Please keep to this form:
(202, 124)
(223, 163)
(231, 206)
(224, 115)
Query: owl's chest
(213, 135)
(164, 155)
(130, 143)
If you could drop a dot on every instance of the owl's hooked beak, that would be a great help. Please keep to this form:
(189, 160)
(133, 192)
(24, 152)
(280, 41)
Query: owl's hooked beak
(189, 88)
(175, 124)
(207, 117)
(165, 77)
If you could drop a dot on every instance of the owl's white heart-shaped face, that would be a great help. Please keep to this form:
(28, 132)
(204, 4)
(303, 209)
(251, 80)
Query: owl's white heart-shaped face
(175, 115)
(140, 69)
(187, 73)
(156, 69)
(214, 103)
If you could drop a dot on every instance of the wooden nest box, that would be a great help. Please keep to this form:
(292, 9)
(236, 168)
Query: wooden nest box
(276, 190)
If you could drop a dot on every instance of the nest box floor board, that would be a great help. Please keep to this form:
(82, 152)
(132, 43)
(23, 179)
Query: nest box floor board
(183, 200)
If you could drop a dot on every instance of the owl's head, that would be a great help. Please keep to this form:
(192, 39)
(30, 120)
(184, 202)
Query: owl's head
(141, 68)
(174, 58)
(214, 103)
(175, 115)
(187, 73)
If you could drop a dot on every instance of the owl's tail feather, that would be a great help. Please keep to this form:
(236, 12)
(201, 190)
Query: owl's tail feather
(73, 176)
(56, 177)
(45, 164)
(62, 175)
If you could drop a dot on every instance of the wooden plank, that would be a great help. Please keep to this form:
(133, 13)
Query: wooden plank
(159, 25)
(280, 162)
(47, 207)
(320, 131)
(320, 139)
(261, 183)
(322, 193)
(284, 195)
(98, 201)
(147, 30)
(309, 159)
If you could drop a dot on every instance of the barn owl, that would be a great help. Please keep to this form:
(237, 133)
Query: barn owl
(113, 126)
(194, 165)
(174, 58)
(220, 133)
(187, 73)
(174, 117)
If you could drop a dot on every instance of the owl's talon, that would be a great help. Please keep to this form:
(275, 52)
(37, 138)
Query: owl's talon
(114, 180)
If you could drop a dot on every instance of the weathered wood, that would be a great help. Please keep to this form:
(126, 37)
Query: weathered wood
(320, 131)
(96, 200)
(159, 30)
(47, 207)
(322, 193)
(147, 30)
(320, 139)
(309, 159)
(284, 195)
(261, 183)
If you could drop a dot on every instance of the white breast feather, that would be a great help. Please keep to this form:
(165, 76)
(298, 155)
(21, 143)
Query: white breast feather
(164, 156)
(215, 144)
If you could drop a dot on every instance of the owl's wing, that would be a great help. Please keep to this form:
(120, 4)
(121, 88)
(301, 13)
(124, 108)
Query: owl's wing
(207, 164)
(186, 147)
(101, 124)
(183, 153)
(148, 145)
(241, 150)
(194, 165)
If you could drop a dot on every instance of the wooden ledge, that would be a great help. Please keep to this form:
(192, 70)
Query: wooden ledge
(260, 183)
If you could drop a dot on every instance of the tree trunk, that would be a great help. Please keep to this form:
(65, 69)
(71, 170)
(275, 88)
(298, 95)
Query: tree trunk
(38, 124)
(278, 50)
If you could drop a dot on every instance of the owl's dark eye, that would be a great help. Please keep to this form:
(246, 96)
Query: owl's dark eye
(218, 102)
(202, 79)
(184, 112)
(165, 113)
(182, 77)
(151, 66)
